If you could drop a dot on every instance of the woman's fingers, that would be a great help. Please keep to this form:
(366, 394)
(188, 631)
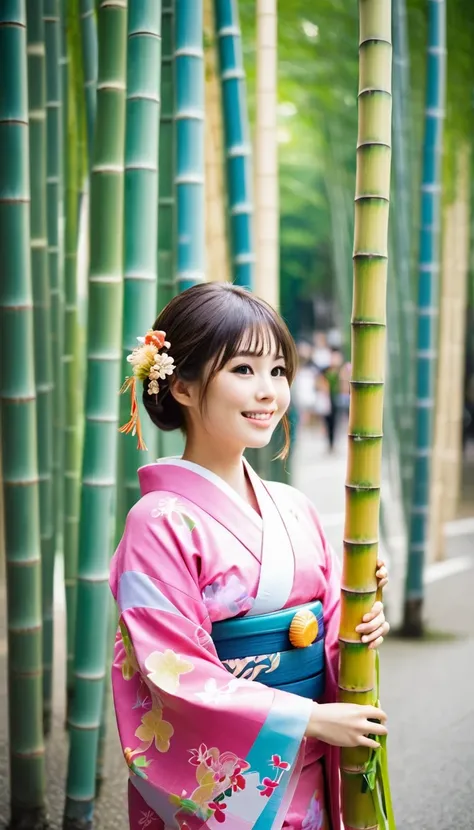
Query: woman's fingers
(381, 630)
(376, 609)
(373, 715)
(368, 742)
(381, 574)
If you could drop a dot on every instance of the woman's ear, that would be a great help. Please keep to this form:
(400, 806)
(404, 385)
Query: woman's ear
(183, 392)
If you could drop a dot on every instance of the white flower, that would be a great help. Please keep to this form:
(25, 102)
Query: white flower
(213, 695)
(166, 507)
(153, 387)
(164, 364)
(154, 374)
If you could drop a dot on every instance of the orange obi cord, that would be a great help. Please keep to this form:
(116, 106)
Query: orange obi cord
(134, 424)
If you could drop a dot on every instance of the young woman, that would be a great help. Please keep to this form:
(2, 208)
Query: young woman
(225, 669)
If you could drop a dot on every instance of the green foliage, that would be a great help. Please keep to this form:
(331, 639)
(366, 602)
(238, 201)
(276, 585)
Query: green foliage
(318, 79)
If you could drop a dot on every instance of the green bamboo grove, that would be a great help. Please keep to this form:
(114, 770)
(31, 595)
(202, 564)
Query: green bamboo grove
(102, 114)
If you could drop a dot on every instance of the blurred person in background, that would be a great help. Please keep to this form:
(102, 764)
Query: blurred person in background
(321, 351)
(304, 389)
(333, 382)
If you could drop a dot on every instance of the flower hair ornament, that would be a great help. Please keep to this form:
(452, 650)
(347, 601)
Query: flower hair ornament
(149, 363)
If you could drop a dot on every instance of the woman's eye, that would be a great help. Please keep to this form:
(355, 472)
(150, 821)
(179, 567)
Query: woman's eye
(242, 370)
(279, 371)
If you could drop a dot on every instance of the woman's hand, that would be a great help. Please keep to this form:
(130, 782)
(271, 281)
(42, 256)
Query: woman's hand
(381, 574)
(346, 724)
(374, 627)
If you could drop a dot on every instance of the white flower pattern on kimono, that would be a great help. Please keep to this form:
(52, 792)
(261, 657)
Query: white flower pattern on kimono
(147, 818)
(314, 818)
(204, 638)
(213, 695)
(164, 669)
(226, 597)
(172, 509)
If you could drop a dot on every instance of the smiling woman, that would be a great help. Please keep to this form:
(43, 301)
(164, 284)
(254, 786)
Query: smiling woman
(223, 579)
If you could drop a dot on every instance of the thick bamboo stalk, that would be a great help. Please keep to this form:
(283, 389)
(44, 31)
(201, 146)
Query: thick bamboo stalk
(96, 531)
(237, 139)
(18, 434)
(266, 157)
(357, 678)
(42, 328)
(217, 249)
(427, 312)
(140, 219)
(90, 65)
(189, 114)
(54, 195)
(72, 375)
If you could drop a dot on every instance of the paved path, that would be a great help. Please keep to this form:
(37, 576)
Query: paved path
(426, 689)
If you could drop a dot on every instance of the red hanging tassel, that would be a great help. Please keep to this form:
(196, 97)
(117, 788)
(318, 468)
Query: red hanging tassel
(134, 424)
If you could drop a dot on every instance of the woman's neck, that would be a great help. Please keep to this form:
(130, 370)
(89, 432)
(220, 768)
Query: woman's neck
(229, 468)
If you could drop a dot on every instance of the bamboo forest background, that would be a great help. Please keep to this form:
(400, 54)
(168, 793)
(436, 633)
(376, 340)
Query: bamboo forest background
(133, 164)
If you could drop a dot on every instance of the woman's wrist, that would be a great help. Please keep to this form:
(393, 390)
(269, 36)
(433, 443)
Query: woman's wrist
(312, 730)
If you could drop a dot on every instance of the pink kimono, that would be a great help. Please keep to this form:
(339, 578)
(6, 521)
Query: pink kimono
(206, 748)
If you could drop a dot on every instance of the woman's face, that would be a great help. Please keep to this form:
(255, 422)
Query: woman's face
(244, 401)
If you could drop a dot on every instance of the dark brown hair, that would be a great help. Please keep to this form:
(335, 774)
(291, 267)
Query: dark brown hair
(210, 323)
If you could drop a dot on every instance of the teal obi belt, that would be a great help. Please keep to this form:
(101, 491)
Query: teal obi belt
(284, 649)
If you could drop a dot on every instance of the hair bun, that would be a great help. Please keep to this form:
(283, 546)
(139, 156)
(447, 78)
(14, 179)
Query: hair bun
(163, 410)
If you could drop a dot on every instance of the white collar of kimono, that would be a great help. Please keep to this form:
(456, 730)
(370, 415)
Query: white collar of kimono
(176, 461)
(278, 563)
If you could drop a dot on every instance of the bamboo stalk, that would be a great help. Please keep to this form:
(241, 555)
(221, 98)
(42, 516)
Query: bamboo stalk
(140, 219)
(404, 331)
(238, 147)
(217, 249)
(427, 313)
(42, 328)
(447, 445)
(357, 678)
(170, 443)
(90, 66)
(19, 433)
(100, 443)
(189, 114)
(53, 172)
(167, 196)
(72, 386)
(266, 157)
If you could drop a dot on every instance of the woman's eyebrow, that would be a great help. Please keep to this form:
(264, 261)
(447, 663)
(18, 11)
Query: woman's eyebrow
(250, 353)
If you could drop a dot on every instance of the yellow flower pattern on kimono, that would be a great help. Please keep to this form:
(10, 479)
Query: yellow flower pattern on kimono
(129, 665)
(154, 728)
(164, 669)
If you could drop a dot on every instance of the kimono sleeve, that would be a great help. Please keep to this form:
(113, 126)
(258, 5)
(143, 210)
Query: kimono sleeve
(201, 745)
